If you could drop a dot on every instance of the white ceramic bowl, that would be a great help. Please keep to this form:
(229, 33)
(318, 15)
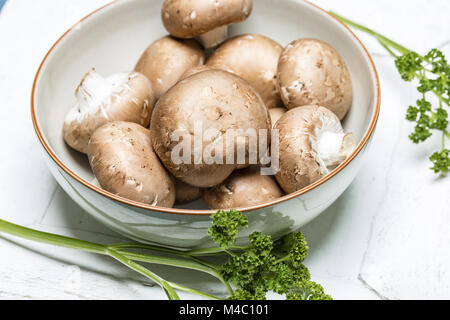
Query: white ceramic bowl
(112, 38)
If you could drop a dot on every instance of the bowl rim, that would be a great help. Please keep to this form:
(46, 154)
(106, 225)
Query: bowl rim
(369, 132)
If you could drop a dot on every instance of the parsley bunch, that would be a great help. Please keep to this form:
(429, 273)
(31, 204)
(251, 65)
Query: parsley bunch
(264, 265)
(432, 73)
(249, 273)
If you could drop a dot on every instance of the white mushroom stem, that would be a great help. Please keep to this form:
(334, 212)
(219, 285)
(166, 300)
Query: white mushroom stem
(333, 147)
(94, 93)
(214, 37)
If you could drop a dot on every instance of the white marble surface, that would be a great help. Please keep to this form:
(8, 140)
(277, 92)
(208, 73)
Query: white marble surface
(386, 237)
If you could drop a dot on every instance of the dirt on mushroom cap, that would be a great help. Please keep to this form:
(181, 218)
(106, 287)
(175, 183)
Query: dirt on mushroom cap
(311, 71)
(167, 59)
(216, 100)
(300, 164)
(254, 58)
(244, 188)
(133, 101)
(124, 163)
(189, 19)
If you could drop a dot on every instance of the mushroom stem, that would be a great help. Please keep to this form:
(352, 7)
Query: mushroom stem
(93, 88)
(214, 37)
(334, 147)
(93, 91)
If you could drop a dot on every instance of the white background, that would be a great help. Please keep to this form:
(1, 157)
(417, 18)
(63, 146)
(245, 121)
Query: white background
(386, 237)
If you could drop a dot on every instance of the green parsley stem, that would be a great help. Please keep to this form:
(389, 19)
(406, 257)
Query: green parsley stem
(387, 43)
(123, 257)
(122, 246)
(388, 49)
(173, 262)
(383, 40)
(283, 259)
(53, 239)
(251, 270)
(67, 242)
(213, 251)
(193, 291)
(200, 265)
(156, 248)
(179, 263)
(185, 253)
(168, 289)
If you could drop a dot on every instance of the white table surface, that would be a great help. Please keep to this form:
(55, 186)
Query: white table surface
(386, 237)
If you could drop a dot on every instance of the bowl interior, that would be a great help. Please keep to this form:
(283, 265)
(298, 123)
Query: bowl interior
(113, 38)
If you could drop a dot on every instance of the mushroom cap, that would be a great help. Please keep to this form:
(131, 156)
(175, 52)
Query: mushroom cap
(254, 58)
(212, 101)
(244, 188)
(302, 159)
(189, 19)
(276, 114)
(311, 71)
(166, 59)
(186, 193)
(124, 97)
(124, 163)
(195, 70)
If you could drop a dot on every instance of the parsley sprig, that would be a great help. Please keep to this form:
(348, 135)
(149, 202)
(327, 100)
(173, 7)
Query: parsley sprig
(430, 112)
(264, 265)
(249, 273)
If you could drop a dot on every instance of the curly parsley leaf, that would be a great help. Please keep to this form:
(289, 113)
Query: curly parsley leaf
(432, 74)
(226, 225)
(264, 266)
(441, 161)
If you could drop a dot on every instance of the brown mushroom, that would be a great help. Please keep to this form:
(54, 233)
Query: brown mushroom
(312, 144)
(254, 58)
(186, 193)
(124, 163)
(207, 120)
(165, 61)
(311, 71)
(244, 188)
(123, 96)
(207, 19)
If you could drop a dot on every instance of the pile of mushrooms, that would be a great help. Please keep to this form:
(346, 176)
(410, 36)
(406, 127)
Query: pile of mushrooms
(130, 125)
